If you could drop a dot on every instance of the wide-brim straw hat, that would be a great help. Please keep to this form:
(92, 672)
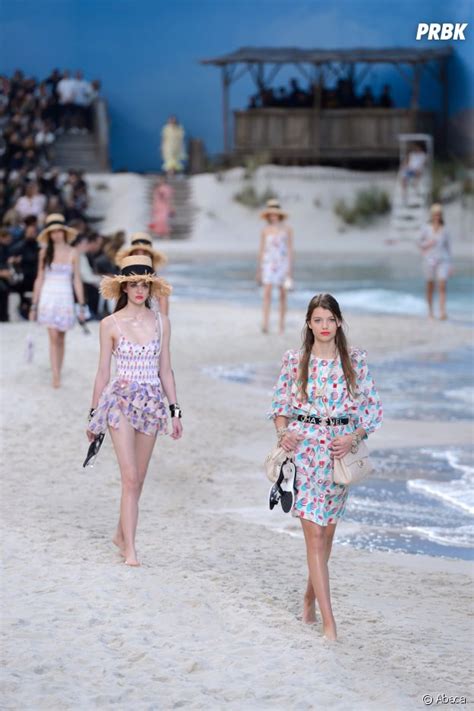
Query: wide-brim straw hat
(135, 268)
(273, 208)
(436, 209)
(142, 241)
(55, 221)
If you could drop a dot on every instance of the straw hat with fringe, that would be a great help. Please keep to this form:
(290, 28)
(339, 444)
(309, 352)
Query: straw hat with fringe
(142, 241)
(137, 268)
(273, 208)
(55, 221)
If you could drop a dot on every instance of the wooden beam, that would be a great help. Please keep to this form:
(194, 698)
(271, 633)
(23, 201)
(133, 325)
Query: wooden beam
(226, 81)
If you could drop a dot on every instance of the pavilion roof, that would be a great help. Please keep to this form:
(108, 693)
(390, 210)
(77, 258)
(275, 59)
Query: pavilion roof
(292, 55)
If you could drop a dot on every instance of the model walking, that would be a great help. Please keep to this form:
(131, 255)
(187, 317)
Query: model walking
(57, 280)
(163, 208)
(131, 405)
(142, 244)
(435, 246)
(324, 379)
(275, 260)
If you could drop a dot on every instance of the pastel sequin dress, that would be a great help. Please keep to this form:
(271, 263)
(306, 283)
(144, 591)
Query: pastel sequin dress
(56, 301)
(276, 259)
(136, 390)
(318, 498)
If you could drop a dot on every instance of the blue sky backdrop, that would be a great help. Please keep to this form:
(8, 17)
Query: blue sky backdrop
(147, 52)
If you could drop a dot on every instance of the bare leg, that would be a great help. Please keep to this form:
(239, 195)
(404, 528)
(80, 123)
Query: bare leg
(442, 300)
(429, 297)
(309, 607)
(54, 356)
(316, 551)
(123, 440)
(143, 448)
(282, 309)
(267, 298)
(61, 347)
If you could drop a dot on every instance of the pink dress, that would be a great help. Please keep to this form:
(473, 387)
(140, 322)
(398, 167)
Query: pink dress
(162, 202)
(135, 391)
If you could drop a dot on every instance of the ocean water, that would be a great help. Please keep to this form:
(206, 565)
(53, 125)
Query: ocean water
(387, 287)
(422, 499)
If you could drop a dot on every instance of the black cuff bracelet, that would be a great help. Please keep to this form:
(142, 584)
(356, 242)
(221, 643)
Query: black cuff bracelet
(175, 410)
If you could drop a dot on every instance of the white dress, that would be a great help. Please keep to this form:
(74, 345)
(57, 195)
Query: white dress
(276, 258)
(56, 302)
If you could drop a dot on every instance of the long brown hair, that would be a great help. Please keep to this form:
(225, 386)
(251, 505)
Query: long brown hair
(325, 301)
(49, 253)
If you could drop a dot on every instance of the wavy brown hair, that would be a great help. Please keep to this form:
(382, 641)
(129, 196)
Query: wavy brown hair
(325, 301)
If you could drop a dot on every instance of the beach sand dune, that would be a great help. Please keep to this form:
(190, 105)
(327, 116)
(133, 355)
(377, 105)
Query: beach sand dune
(212, 618)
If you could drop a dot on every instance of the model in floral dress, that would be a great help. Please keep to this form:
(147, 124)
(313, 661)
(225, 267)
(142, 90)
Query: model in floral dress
(325, 379)
(275, 260)
(131, 405)
(58, 277)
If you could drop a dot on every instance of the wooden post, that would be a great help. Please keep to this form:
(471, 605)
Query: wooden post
(225, 109)
(415, 97)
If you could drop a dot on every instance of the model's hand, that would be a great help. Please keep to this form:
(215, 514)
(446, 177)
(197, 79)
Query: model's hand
(340, 446)
(32, 315)
(90, 435)
(290, 441)
(177, 428)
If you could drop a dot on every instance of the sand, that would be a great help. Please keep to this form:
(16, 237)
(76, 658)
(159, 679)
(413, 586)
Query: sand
(212, 619)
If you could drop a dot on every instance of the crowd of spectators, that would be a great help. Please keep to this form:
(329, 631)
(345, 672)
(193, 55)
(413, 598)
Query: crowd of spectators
(342, 96)
(33, 113)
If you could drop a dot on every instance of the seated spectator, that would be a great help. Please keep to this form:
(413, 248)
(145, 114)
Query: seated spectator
(5, 273)
(367, 100)
(24, 260)
(89, 278)
(32, 203)
(385, 100)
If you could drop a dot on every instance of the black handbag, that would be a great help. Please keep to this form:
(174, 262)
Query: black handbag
(93, 450)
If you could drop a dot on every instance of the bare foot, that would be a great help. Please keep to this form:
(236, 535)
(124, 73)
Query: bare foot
(329, 633)
(264, 329)
(309, 610)
(56, 383)
(120, 543)
(131, 558)
(443, 317)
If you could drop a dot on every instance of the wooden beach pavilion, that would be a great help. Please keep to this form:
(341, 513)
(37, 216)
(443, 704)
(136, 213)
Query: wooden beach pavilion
(330, 135)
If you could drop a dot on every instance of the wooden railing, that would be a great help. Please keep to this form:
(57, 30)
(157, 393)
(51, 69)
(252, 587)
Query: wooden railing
(330, 134)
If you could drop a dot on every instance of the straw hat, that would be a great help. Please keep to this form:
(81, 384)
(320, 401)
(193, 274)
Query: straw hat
(273, 208)
(137, 268)
(55, 221)
(142, 241)
(436, 208)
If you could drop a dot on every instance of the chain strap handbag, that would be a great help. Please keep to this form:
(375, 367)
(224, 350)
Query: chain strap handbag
(352, 468)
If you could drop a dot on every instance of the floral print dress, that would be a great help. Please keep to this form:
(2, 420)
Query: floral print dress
(136, 390)
(276, 258)
(318, 498)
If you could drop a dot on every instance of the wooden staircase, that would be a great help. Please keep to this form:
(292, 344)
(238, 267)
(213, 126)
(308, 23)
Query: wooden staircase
(410, 210)
(79, 152)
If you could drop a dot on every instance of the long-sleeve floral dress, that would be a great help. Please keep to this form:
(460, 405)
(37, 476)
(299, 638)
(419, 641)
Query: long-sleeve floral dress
(318, 498)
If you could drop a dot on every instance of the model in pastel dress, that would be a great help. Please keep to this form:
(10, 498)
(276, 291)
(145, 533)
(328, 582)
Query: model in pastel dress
(131, 405)
(275, 261)
(162, 209)
(142, 244)
(326, 379)
(435, 246)
(57, 280)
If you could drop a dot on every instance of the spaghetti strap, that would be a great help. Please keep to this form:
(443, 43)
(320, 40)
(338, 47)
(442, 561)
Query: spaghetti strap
(117, 324)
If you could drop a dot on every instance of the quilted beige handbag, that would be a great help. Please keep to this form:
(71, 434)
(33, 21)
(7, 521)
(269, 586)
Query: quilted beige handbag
(273, 462)
(353, 468)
